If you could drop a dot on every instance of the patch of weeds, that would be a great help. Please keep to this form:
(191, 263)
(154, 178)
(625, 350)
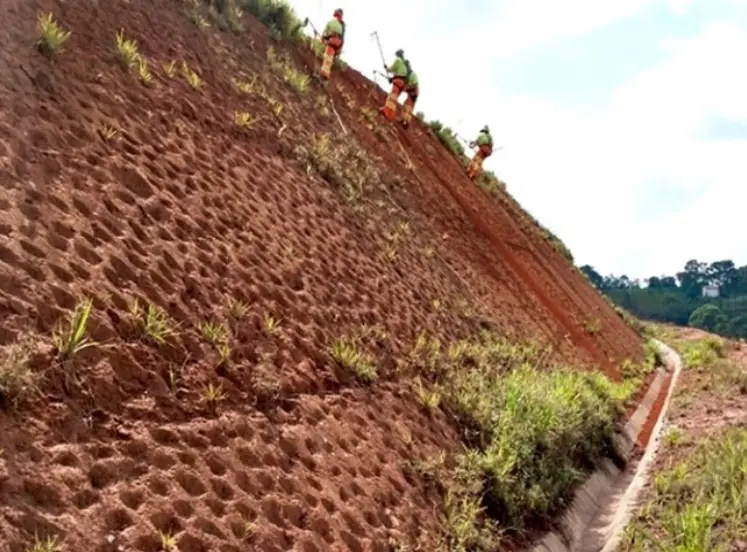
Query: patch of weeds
(593, 327)
(347, 353)
(488, 181)
(50, 544)
(127, 51)
(244, 120)
(51, 35)
(674, 437)
(283, 66)
(107, 132)
(143, 73)
(368, 114)
(342, 163)
(214, 333)
(169, 69)
(227, 15)
(245, 86)
(192, 11)
(219, 336)
(401, 230)
(698, 502)
(168, 541)
(153, 322)
(322, 106)
(270, 325)
(532, 429)
(237, 308)
(429, 398)
(69, 336)
(213, 395)
(192, 77)
(248, 530)
(700, 353)
(278, 16)
(17, 380)
(539, 431)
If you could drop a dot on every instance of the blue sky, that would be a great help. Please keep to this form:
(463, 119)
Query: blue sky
(624, 123)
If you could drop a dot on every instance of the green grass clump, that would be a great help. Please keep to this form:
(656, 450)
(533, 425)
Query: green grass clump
(533, 431)
(538, 432)
(700, 353)
(51, 35)
(348, 354)
(69, 335)
(449, 139)
(153, 323)
(699, 503)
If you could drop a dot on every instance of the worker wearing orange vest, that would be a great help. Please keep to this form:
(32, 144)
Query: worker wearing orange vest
(403, 79)
(484, 143)
(333, 38)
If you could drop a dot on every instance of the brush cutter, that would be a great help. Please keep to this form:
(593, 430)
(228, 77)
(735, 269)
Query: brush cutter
(307, 22)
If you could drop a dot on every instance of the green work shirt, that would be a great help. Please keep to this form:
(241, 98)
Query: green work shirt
(334, 27)
(399, 68)
(484, 139)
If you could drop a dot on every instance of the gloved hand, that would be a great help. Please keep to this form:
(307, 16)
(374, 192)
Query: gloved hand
(472, 144)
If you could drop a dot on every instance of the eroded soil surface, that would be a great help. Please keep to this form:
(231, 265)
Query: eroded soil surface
(182, 210)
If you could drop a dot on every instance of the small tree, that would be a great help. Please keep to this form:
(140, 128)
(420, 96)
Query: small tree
(708, 317)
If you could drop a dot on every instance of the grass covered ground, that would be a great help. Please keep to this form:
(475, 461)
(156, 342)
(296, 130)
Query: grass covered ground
(697, 496)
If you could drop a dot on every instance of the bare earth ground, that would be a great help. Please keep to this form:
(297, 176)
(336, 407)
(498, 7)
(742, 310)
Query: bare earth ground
(182, 210)
(708, 403)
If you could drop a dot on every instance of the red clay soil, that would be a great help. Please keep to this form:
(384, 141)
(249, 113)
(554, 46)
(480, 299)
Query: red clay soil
(181, 209)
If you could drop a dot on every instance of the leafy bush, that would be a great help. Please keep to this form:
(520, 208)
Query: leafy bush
(448, 138)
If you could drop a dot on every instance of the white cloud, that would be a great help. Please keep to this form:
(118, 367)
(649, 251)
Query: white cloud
(650, 130)
(582, 173)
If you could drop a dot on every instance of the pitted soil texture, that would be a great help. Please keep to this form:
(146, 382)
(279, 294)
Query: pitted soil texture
(120, 191)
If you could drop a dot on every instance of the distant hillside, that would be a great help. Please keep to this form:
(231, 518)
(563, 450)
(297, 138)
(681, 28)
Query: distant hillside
(679, 298)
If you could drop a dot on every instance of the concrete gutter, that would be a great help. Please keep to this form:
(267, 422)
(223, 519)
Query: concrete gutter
(604, 504)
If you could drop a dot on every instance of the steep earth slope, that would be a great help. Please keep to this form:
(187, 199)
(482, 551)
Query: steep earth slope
(127, 192)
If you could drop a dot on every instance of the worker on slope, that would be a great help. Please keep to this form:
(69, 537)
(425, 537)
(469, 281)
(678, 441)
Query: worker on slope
(403, 79)
(484, 144)
(333, 38)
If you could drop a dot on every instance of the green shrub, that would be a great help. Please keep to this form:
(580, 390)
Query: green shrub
(448, 138)
(278, 15)
(699, 354)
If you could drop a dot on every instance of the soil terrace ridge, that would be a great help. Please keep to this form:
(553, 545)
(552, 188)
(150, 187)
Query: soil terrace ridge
(182, 209)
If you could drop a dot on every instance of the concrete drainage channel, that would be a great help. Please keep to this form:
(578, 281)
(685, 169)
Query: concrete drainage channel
(603, 506)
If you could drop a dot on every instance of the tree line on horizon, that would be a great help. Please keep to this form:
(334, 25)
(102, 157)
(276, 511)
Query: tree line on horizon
(678, 299)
